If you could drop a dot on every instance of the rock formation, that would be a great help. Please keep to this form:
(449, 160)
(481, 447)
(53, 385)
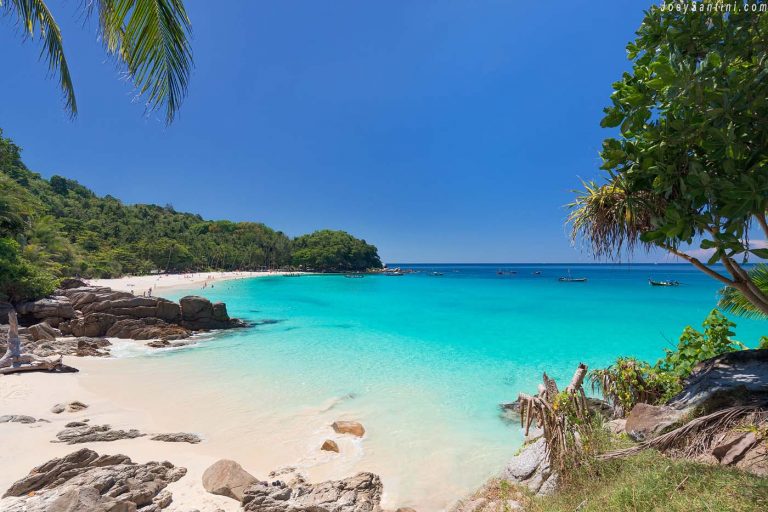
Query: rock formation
(177, 437)
(84, 480)
(93, 433)
(531, 468)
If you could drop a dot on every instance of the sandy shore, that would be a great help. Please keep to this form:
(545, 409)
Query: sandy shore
(161, 283)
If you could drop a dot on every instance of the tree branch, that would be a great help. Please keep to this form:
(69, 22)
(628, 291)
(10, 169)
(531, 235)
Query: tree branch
(698, 264)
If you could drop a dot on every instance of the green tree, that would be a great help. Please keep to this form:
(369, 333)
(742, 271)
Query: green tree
(328, 250)
(148, 38)
(689, 164)
(733, 301)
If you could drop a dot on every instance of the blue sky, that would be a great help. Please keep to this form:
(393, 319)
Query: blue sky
(439, 131)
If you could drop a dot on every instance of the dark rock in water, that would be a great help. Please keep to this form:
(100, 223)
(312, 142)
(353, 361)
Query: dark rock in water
(16, 418)
(177, 437)
(360, 493)
(94, 433)
(646, 421)
(86, 481)
(739, 377)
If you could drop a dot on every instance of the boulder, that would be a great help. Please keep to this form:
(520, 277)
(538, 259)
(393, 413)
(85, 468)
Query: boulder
(731, 378)
(177, 437)
(56, 307)
(146, 329)
(16, 418)
(95, 433)
(91, 326)
(348, 427)
(618, 426)
(67, 284)
(43, 331)
(86, 481)
(531, 468)
(646, 421)
(227, 478)
(734, 450)
(330, 446)
(360, 493)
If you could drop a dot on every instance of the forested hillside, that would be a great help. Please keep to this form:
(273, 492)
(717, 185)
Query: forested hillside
(56, 228)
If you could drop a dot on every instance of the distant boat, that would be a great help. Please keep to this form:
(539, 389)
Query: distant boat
(436, 274)
(395, 273)
(663, 283)
(354, 276)
(570, 279)
(537, 273)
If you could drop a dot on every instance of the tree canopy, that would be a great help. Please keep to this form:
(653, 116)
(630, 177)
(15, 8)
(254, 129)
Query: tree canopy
(334, 250)
(689, 163)
(59, 228)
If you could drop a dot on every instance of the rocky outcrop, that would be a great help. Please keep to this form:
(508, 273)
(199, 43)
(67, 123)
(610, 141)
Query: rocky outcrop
(16, 418)
(531, 468)
(86, 481)
(53, 310)
(43, 331)
(227, 478)
(348, 427)
(177, 437)
(199, 313)
(70, 407)
(734, 378)
(95, 433)
(147, 329)
(646, 421)
(360, 493)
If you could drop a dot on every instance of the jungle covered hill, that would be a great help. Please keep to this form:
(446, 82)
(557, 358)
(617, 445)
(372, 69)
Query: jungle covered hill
(55, 228)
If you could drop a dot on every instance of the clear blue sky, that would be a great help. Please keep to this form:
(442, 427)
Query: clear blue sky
(440, 131)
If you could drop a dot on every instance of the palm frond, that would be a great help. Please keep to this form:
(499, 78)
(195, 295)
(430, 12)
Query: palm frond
(733, 301)
(609, 219)
(151, 38)
(35, 17)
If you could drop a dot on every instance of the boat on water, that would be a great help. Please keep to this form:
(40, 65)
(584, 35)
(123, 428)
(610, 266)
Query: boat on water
(571, 279)
(354, 276)
(663, 283)
(537, 273)
(393, 273)
(436, 274)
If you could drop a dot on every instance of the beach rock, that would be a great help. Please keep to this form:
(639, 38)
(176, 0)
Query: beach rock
(729, 379)
(79, 347)
(617, 426)
(147, 329)
(56, 307)
(86, 481)
(348, 427)
(43, 331)
(531, 468)
(95, 433)
(5, 308)
(198, 313)
(360, 493)
(58, 408)
(72, 424)
(646, 421)
(330, 446)
(734, 450)
(67, 284)
(177, 437)
(227, 478)
(16, 418)
(92, 326)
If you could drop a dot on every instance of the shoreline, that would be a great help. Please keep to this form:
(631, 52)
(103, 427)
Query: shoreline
(162, 283)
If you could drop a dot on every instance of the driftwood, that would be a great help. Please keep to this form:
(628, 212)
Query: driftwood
(559, 416)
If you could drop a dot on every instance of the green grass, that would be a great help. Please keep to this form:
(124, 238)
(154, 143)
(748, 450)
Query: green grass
(650, 481)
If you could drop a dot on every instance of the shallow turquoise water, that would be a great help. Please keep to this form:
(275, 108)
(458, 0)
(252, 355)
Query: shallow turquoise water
(424, 361)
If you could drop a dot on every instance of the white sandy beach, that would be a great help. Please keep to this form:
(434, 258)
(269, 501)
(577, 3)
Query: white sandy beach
(161, 283)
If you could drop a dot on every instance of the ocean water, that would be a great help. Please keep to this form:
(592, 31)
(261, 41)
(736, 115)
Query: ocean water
(422, 361)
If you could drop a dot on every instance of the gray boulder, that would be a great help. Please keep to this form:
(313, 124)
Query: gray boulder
(86, 481)
(43, 331)
(177, 437)
(531, 468)
(199, 313)
(646, 421)
(94, 433)
(16, 418)
(360, 493)
(55, 309)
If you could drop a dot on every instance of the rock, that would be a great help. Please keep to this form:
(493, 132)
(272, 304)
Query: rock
(146, 329)
(85, 481)
(227, 478)
(73, 424)
(617, 426)
(72, 347)
(5, 308)
(348, 427)
(58, 408)
(734, 450)
(405, 509)
(198, 313)
(67, 284)
(731, 378)
(92, 326)
(16, 418)
(360, 493)
(178, 437)
(330, 446)
(646, 421)
(531, 468)
(43, 331)
(94, 433)
(55, 307)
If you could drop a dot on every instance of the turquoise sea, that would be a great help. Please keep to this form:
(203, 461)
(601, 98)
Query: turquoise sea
(424, 361)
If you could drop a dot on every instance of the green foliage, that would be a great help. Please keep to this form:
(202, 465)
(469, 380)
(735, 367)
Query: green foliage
(334, 250)
(695, 346)
(734, 301)
(19, 279)
(63, 229)
(630, 381)
(763, 345)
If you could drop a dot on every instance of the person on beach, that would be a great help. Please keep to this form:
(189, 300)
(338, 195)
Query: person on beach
(13, 356)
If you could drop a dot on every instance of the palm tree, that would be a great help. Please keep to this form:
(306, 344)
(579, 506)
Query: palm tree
(733, 301)
(149, 38)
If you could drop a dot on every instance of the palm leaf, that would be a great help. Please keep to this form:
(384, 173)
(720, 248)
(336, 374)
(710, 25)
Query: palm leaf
(733, 301)
(35, 17)
(150, 37)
